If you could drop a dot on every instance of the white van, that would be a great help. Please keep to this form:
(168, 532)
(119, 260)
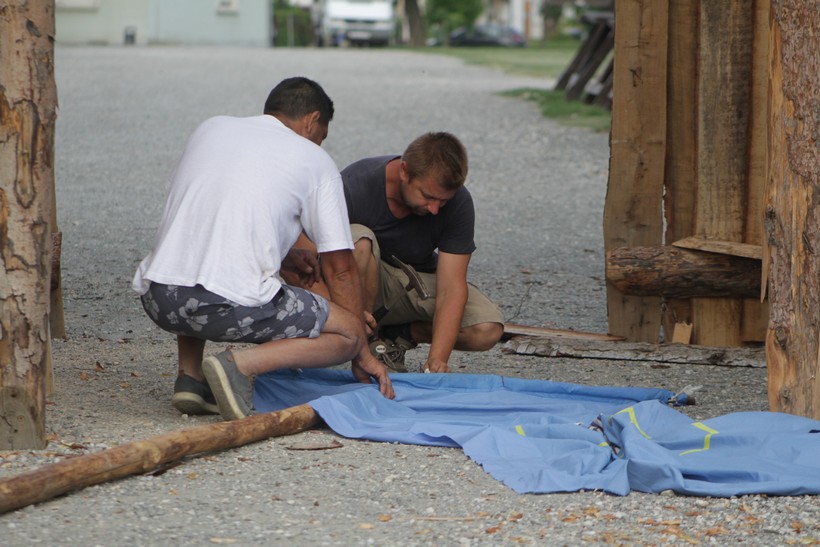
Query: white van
(358, 22)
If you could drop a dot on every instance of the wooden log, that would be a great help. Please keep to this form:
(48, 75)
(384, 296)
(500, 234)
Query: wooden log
(680, 354)
(146, 455)
(680, 273)
(793, 209)
(633, 212)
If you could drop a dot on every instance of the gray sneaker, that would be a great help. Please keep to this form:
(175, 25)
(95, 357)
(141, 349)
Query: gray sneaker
(233, 390)
(193, 397)
(391, 352)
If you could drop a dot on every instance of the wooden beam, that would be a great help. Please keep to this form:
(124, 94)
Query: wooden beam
(681, 170)
(634, 201)
(142, 456)
(731, 248)
(724, 76)
(680, 273)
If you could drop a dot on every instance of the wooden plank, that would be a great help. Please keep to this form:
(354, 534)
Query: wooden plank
(730, 248)
(594, 38)
(511, 329)
(682, 334)
(681, 138)
(793, 210)
(633, 208)
(680, 354)
(578, 82)
(755, 319)
(724, 90)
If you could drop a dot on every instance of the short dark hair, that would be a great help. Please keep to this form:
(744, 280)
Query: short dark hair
(297, 97)
(439, 153)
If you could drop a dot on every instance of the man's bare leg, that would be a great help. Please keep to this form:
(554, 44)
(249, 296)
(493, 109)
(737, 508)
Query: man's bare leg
(190, 351)
(478, 337)
(339, 342)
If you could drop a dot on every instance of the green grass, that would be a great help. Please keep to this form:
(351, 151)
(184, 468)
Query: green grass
(554, 105)
(547, 60)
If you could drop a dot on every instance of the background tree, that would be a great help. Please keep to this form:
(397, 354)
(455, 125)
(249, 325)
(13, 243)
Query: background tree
(447, 15)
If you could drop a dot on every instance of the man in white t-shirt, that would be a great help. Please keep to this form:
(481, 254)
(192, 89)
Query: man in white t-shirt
(242, 193)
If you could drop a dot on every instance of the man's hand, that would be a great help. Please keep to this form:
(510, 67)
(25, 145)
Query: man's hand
(435, 365)
(303, 265)
(366, 366)
(370, 323)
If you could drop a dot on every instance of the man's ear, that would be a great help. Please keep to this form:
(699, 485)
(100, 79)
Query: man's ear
(311, 120)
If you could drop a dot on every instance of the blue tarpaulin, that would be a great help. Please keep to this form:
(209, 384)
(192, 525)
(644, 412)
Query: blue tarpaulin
(537, 436)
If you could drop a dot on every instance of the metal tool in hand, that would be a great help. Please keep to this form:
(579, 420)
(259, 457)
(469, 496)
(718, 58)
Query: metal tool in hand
(414, 284)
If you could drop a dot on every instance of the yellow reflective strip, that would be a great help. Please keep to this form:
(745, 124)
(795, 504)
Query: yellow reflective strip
(707, 440)
(520, 430)
(633, 420)
(603, 443)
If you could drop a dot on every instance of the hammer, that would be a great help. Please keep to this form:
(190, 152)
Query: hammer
(414, 283)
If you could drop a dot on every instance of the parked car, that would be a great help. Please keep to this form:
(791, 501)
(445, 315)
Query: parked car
(487, 35)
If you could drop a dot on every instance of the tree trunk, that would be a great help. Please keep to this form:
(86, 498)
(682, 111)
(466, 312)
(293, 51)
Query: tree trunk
(793, 209)
(418, 30)
(28, 100)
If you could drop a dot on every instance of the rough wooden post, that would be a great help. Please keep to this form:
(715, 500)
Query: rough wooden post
(681, 139)
(28, 100)
(633, 213)
(793, 209)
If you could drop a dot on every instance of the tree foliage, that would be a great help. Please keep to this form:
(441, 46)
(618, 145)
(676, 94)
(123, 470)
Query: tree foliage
(451, 14)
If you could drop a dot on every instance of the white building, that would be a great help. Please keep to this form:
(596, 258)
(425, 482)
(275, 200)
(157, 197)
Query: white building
(200, 22)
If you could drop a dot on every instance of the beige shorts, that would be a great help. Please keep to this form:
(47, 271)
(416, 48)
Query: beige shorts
(406, 307)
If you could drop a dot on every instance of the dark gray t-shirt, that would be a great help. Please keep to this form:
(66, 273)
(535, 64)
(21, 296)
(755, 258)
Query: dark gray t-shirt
(413, 239)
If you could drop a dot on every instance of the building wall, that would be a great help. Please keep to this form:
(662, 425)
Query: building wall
(213, 22)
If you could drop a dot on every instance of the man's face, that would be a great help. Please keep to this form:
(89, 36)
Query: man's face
(424, 195)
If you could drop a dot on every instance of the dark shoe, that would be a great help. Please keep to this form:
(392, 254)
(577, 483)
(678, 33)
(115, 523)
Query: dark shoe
(193, 397)
(391, 352)
(233, 390)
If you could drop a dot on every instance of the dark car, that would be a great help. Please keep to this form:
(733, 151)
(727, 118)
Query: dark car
(487, 35)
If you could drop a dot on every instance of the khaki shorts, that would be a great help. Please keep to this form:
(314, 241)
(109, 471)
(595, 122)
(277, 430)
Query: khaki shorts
(406, 307)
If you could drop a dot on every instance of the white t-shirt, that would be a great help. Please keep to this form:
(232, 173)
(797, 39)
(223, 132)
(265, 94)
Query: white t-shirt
(242, 193)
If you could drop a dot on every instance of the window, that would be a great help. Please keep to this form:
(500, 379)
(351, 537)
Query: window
(227, 7)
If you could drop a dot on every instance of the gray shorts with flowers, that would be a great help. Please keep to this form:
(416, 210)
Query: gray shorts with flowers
(199, 313)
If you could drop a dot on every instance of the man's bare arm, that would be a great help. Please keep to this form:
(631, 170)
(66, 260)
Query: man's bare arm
(451, 297)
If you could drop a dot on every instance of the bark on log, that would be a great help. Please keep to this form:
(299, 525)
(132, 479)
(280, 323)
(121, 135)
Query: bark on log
(680, 354)
(679, 273)
(28, 103)
(146, 455)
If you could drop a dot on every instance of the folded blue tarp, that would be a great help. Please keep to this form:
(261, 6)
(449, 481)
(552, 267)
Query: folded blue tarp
(538, 436)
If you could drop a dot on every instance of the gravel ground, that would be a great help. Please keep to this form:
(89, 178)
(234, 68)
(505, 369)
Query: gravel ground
(125, 114)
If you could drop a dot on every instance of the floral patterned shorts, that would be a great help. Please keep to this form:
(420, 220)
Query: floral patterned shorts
(199, 313)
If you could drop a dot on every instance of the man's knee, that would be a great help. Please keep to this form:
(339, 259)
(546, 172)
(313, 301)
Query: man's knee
(483, 336)
(344, 324)
(363, 251)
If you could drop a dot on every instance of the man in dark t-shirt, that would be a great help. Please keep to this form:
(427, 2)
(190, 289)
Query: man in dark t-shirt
(415, 207)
